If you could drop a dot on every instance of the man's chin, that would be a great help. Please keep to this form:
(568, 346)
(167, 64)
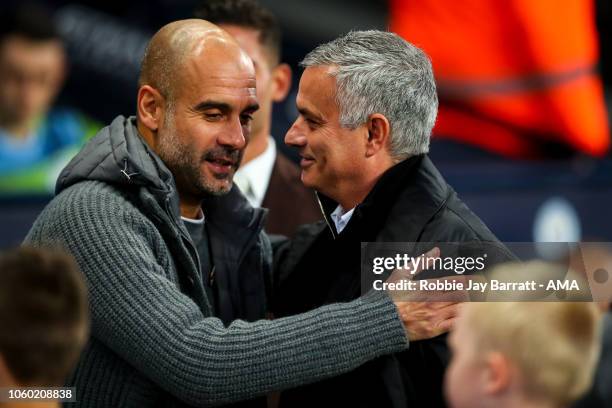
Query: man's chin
(218, 187)
(307, 179)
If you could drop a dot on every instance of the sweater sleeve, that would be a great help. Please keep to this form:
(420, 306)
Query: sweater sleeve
(143, 317)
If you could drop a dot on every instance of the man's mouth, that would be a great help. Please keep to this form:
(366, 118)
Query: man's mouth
(221, 165)
(306, 160)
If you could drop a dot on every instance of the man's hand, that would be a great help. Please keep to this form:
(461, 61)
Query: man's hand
(427, 314)
(425, 320)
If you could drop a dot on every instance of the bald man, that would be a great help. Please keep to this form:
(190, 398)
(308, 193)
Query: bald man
(175, 258)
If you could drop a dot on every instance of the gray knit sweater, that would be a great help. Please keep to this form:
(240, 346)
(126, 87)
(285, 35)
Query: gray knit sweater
(151, 344)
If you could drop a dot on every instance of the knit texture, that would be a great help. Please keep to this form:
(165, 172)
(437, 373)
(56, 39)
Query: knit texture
(151, 345)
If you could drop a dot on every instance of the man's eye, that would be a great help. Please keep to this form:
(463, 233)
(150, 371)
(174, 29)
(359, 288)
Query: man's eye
(311, 123)
(246, 119)
(213, 116)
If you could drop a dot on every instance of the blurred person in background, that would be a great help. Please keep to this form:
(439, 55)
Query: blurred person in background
(36, 141)
(600, 395)
(522, 354)
(43, 320)
(266, 176)
(516, 78)
(599, 263)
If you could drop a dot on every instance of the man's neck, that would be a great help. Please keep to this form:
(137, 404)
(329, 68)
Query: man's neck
(353, 192)
(256, 147)
(191, 209)
(350, 199)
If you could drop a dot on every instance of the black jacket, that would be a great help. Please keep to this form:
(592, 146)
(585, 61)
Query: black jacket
(410, 203)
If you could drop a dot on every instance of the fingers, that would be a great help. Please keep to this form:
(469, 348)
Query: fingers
(446, 325)
(448, 312)
(442, 305)
(425, 320)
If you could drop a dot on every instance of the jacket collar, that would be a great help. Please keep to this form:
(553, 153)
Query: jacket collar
(118, 155)
(410, 193)
(230, 214)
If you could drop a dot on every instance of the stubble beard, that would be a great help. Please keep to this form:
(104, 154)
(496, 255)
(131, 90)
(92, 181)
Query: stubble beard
(185, 165)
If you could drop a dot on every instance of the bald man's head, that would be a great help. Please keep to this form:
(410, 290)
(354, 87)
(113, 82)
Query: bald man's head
(171, 46)
(196, 101)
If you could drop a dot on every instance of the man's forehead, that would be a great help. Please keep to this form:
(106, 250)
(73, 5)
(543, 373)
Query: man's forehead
(17, 47)
(216, 66)
(226, 85)
(228, 81)
(233, 76)
(317, 89)
(234, 64)
(238, 93)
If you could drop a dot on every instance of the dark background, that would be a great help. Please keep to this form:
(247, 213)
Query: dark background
(572, 197)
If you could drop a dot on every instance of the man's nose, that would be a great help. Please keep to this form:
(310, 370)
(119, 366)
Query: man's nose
(234, 135)
(295, 136)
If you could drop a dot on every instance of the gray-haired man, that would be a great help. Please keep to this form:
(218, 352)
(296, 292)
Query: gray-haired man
(367, 104)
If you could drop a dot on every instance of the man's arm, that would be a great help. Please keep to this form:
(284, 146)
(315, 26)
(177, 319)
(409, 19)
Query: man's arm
(142, 316)
(425, 318)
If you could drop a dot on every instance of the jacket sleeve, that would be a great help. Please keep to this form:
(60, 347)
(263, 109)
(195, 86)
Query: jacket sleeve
(142, 316)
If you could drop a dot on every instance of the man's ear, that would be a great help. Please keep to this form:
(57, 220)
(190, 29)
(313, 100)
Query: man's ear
(378, 134)
(281, 79)
(499, 373)
(150, 107)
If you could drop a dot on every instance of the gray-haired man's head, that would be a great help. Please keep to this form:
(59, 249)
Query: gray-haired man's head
(378, 71)
(382, 90)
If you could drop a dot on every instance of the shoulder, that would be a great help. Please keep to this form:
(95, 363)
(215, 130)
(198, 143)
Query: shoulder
(459, 221)
(93, 197)
(90, 206)
(455, 222)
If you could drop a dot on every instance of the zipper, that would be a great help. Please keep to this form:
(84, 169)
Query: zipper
(325, 217)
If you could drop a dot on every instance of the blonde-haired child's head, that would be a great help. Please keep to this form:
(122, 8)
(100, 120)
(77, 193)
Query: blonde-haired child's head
(522, 352)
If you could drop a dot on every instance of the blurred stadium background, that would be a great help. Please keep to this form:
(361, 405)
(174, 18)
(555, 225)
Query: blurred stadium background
(565, 198)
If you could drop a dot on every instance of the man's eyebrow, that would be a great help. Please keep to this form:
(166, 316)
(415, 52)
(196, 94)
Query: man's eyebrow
(251, 108)
(222, 106)
(206, 105)
(310, 114)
